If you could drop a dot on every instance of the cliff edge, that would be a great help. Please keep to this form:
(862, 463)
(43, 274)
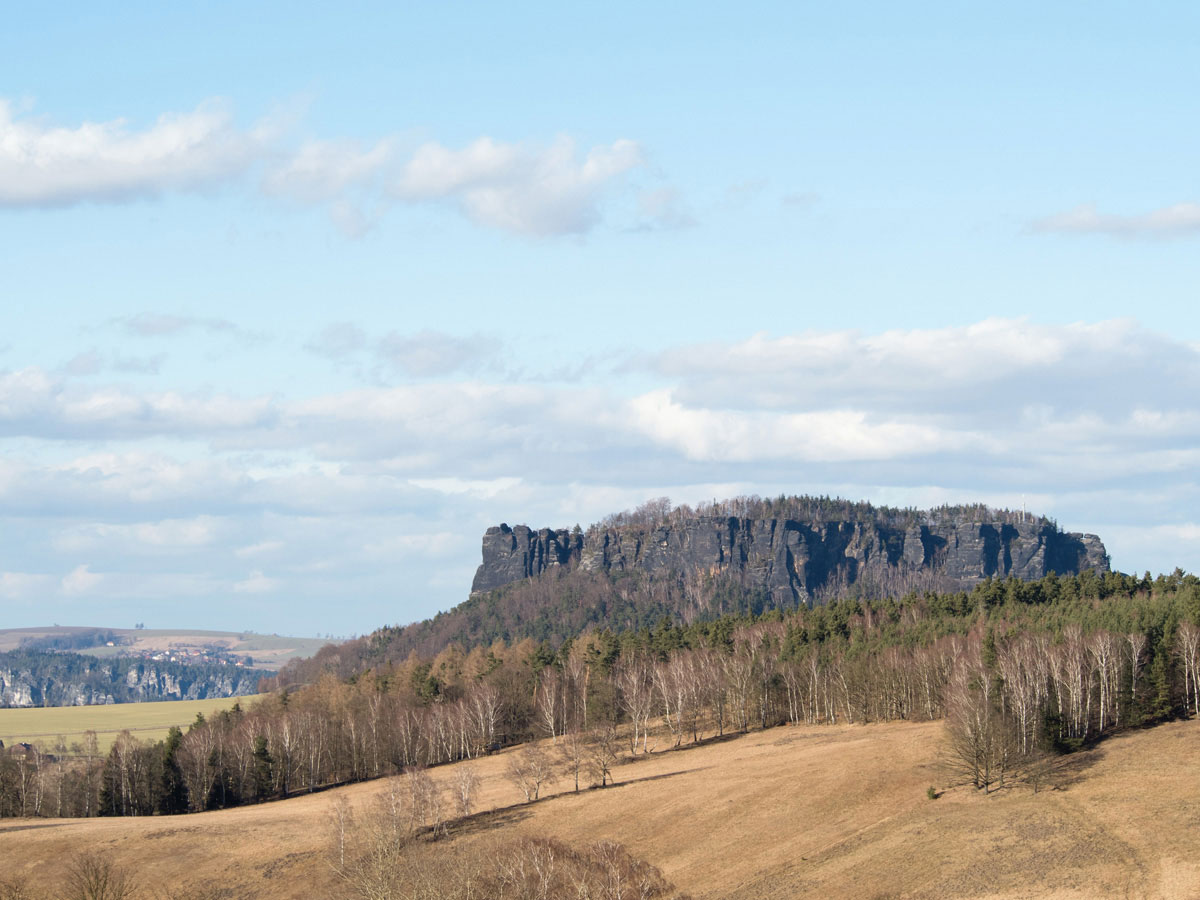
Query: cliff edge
(798, 560)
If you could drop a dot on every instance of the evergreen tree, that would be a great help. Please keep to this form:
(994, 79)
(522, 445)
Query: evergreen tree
(172, 797)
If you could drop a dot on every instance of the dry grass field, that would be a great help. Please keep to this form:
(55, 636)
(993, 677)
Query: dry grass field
(829, 812)
(147, 721)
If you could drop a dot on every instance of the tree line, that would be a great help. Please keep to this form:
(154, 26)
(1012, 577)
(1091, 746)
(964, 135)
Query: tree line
(1018, 670)
(660, 512)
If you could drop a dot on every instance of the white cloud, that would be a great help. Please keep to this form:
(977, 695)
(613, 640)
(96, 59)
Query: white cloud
(43, 165)
(978, 370)
(844, 435)
(260, 548)
(428, 353)
(81, 580)
(138, 537)
(322, 171)
(150, 324)
(664, 208)
(33, 402)
(337, 341)
(256, 583)
(1178, 220)
(482, 489)
(516, 187)
(24, 585)
(420, 354)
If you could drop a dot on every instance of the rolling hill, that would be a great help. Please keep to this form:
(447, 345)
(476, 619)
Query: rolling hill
(827, 811)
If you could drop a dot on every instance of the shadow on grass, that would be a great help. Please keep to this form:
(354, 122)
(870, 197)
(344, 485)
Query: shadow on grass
(644, 778)
(491, 820)
(1062, 772)
(1050, 772)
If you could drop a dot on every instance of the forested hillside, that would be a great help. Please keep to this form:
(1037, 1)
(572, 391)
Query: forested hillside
(742, 556)
(1019, 670)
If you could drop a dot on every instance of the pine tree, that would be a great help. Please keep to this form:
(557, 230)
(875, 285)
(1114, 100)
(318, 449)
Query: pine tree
(172, 795)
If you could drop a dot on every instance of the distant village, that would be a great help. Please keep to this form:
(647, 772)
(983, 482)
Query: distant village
(187, 653)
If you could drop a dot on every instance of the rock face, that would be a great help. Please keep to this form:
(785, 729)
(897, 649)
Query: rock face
(510, 554)
(794, 561)
(67, 679)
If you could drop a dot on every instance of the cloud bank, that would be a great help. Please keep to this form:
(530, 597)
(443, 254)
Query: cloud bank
(109, 491)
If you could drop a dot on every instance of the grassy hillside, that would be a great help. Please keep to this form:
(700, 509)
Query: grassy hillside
(148, 721)
(827, 811)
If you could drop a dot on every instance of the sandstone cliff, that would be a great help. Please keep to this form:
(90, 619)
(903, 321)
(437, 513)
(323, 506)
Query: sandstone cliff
(41, 678)
(798, 561)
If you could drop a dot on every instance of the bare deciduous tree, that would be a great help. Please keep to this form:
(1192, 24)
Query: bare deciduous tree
(982, 745)
(603, 750)
(466, 783)
(91, 876)
(528, 769)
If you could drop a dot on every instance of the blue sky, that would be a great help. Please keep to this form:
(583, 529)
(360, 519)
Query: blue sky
(297, 301)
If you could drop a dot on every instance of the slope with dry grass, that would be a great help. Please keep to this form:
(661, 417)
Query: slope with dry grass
(791, 812)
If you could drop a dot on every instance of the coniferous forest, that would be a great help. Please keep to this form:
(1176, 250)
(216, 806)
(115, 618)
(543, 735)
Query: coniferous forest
(1021, 673)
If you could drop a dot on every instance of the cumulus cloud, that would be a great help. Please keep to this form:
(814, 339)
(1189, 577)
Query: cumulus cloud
(1177, 220)
(80, 580)
(846, 435)
(521, 188)
(525, 188)
(43, 165)
(34, 402)
(538, 191)
(323, 171)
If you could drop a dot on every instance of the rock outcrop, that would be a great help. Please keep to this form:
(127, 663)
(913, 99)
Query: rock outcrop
(43, 678)
(799, 561)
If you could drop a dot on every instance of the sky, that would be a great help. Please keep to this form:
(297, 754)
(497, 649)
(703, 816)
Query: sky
(298, 299)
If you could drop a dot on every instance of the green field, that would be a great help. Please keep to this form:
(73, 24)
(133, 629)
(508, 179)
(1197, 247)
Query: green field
(147, 721)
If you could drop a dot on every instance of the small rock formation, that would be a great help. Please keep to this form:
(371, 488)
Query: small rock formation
(795, 560)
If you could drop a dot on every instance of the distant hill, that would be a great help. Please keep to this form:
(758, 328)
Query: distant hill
(60, 678)
(266, 651)
(741, 556)
(83, 666)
